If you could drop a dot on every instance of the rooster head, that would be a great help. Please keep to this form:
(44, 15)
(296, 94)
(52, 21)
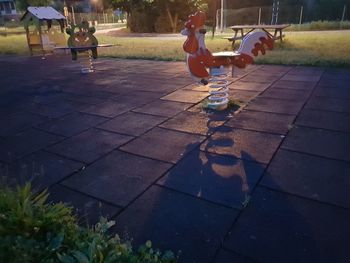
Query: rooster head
(194, 29)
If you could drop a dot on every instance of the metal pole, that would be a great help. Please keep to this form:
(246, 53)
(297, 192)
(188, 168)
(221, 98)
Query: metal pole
(259, 17)
(217, 19)
(278, 10)
(73, 15)
(222, 16)
(273, 12)
(342, 17)
(301, 15)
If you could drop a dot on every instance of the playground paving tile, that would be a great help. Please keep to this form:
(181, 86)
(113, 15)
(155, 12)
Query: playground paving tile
(338, 93)
(71, 124)
(290, 84)
(193, 122)
(117, 178)
(319, 142)
(267, 78)
(328, 104)
(89, 145)
(11, 124)
(171, 219)
(138, 98)
(274, 68)
(163, 144)
(301, 229)
(109, 108)
(25, 142)
(242, 96)
(182, 185)
(262, 121)
(88, 209)
(249, 86)
(310, 176)
(163, 108)
(337, 121)
(244, 144)
(186, 96)
(275, 105)
(132, 123)
(301, 77)
(286, 94)
(221, 179)
(53, 110)
(42, 169)
(227, 256)
(334, 83)
(301, 70)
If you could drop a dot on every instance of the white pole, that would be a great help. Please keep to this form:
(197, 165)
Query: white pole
(342, 17)
(217, 19)
(301, 15)
(73, 15)
(259, 18)
(222, 16)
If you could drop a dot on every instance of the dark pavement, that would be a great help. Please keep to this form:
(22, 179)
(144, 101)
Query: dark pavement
(267, 183)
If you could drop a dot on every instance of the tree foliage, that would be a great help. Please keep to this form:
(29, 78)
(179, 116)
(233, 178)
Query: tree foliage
(23, 4)
(158, 15)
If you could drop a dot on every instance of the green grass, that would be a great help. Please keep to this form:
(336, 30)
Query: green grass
(327, 48)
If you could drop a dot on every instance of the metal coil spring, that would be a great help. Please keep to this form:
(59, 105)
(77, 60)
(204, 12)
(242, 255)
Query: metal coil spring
(86, 63)
(218, 92)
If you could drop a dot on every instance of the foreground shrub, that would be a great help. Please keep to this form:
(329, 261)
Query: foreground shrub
(32, 230)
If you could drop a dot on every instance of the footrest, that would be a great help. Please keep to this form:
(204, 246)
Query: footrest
(226, 54)
(233, 38)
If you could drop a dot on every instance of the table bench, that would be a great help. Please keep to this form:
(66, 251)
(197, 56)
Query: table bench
(240, 28)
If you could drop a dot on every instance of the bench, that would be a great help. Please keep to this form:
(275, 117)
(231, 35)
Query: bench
(277, 35)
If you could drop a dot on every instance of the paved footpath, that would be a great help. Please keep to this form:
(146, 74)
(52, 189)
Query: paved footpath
(268, 183)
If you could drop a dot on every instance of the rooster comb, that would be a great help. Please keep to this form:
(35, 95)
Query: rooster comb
(195, 21)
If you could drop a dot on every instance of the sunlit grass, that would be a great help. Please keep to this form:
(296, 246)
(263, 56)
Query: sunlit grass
(328, 48)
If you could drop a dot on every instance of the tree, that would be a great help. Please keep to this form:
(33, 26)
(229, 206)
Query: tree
(23, 4)
(178, 10)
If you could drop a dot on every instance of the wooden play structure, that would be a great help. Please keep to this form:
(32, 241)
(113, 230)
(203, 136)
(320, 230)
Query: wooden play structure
(44, 28)
(209, 68)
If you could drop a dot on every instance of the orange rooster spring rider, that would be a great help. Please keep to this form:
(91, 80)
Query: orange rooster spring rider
(199, 58)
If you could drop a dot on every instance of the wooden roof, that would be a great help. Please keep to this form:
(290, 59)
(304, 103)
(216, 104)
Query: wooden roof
(43, 13)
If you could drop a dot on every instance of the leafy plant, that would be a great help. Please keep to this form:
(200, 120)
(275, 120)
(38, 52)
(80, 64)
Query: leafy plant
(32, 230)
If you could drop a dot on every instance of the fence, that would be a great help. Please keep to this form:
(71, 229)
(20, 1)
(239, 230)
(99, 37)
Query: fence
(290, 14)
(101, 18)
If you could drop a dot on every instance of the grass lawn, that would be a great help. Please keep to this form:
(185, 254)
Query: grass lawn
(316, 48)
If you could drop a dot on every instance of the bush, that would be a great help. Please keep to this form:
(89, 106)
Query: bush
(32, 230)
(141, 22)
(320, 25)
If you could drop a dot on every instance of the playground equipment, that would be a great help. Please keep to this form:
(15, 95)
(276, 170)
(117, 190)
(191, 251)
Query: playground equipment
(200, 59)
(39, 37)
(82, 41)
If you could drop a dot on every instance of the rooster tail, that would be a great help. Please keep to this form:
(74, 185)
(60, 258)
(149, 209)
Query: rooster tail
(251, 44)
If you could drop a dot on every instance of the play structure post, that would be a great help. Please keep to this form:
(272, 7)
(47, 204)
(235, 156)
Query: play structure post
(259, 16)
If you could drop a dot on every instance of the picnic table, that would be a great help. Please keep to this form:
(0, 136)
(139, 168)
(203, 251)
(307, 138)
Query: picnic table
(240, 28)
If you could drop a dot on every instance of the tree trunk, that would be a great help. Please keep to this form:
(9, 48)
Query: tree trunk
(173, 21)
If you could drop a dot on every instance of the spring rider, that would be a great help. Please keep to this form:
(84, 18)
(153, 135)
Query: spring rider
(199, 59)
(82, 41)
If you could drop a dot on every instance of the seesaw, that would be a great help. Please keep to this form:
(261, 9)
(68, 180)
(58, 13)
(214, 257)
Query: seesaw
(211, 68)
(82, 41)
